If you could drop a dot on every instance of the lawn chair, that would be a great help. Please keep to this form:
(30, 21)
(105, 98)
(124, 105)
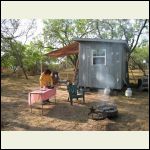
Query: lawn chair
(74, 93)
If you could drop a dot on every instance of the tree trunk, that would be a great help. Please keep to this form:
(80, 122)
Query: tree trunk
(140, 67)
(24, 72)
(14, 69)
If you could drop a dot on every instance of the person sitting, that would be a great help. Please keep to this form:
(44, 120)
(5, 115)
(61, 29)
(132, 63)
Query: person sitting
(46, 80)
(55, 77)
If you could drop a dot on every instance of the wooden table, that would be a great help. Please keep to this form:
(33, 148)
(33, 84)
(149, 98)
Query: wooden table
(41, 95)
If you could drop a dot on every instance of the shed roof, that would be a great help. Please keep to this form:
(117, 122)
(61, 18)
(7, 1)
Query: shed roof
(70, 49)
(101, 40)
(73, 48)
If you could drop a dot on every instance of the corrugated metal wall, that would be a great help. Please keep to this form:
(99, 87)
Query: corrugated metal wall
(101, 76)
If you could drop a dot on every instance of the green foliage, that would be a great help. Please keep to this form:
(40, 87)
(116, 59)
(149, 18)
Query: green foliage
(13, 54)
(58, 33)
(140, 54)
(32, 54)
(8, 61)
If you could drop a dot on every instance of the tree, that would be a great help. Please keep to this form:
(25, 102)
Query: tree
(32, 58)
(8, 61)
(11, 30)
(137, 57)
(125, 29)
(133, 32)
(122, 29)
(58, 33)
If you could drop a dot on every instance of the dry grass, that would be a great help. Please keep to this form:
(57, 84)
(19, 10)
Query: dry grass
(136, 74)
(16, 115)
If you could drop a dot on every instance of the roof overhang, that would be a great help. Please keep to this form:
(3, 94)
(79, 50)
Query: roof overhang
(70, 49)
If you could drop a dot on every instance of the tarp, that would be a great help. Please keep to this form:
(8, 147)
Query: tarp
(70, 49)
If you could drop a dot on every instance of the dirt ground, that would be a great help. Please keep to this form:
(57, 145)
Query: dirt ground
(16, 115)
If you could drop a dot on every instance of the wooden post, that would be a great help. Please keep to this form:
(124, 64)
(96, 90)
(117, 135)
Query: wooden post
(42, 108)
(41, 62)
(55, 99)
(76, 72)
(30, 103)
(67, 67)
(41, 67)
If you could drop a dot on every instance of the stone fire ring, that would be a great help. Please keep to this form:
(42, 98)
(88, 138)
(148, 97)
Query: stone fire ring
(103, 111)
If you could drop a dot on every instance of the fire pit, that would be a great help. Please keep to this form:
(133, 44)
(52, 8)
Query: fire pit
(103, 111)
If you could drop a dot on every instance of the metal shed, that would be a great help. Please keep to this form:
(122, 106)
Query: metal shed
(103, 63)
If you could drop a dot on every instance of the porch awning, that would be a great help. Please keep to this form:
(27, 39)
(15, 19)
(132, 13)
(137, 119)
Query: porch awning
(70, 49)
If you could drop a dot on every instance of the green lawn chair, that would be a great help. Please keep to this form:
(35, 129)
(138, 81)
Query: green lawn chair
(74, 93)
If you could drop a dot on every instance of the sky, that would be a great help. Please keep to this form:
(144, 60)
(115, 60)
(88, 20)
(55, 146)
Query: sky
(36, 32)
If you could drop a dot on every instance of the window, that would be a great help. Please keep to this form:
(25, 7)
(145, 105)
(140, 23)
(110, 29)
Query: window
(99, 56)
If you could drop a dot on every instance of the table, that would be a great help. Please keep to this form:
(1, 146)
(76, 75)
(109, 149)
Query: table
(41, 95)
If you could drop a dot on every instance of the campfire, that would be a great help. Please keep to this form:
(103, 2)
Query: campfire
(103, 111)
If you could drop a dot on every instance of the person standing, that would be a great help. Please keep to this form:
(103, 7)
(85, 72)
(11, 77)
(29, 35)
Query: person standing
(46, 81)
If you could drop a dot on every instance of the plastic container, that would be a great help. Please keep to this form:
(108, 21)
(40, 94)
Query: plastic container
(128, 92)
(106, 91)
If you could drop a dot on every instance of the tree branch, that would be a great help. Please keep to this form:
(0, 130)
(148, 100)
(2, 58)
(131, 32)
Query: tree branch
(144, 25)
(124, 32)
(97, 27)
(86, 30)
(140, 67)
(66, 33)
(110, 25)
